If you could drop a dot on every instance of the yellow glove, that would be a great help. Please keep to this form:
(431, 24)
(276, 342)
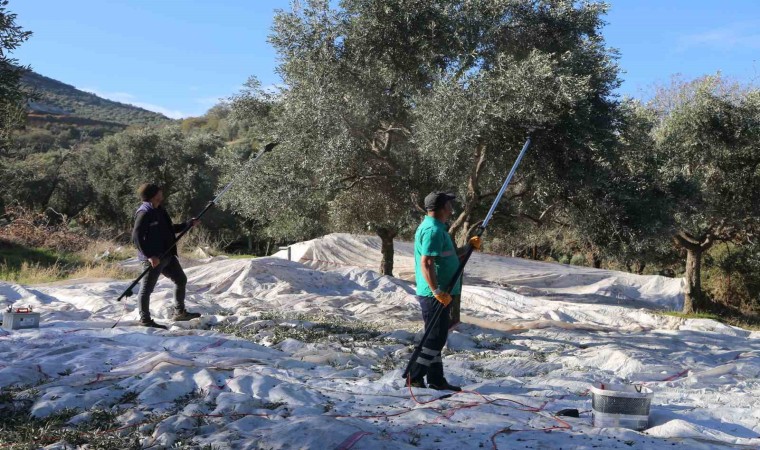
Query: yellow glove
(443, 297)
(475, 242)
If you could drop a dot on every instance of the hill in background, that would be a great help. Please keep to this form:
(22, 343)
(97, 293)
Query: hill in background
(60, 102)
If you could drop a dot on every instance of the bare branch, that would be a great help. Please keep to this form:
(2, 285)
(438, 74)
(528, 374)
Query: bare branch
(536, 221)
(359, 179)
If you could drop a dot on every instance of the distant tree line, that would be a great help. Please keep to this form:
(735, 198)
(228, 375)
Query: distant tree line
(385, 100)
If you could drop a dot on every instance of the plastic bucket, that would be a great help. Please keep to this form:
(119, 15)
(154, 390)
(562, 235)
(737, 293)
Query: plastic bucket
(622, 406)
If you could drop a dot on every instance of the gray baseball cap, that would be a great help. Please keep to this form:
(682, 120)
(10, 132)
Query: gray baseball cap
(437, 200)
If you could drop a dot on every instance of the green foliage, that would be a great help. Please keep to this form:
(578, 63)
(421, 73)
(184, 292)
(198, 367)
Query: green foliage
(621, 214)
(280, 196)
(526, 64)
(11, 95)
(43, 167)
(344, 117)
(32, 250)
(706, 145)
(41, 136)
(70, 170)
(217, 120)
(55, 179)
(732, 275)
(707, 140)
(386, 101)
(176, 161)
(578, 260)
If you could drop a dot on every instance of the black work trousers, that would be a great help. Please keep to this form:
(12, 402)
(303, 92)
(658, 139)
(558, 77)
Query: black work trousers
(171, 269)
(429, 362)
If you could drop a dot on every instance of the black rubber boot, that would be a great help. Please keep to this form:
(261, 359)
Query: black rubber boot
(436, 380)
(443, 385)
(152, 324)
(418, 372)
(418, 383)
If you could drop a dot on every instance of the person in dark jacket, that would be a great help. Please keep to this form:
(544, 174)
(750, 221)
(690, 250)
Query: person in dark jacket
(154, 234)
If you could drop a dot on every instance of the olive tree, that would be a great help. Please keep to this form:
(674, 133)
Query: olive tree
(707, 141)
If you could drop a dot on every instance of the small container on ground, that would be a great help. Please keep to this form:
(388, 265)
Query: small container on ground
(623, 406)
(20, 318)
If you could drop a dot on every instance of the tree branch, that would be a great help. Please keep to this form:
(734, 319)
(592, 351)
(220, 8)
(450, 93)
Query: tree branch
(538, 222)
(547, 210)
(472, 228)
(416, 203)
(359, 179)
(688, 238)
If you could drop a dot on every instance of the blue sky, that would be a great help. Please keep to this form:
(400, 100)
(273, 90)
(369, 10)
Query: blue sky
(179, 57)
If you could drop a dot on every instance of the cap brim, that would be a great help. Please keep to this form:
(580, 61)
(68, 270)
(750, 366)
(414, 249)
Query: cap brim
(441, 198)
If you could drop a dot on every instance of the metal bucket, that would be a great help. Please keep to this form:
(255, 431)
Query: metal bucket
(20, 318)
(622, 406)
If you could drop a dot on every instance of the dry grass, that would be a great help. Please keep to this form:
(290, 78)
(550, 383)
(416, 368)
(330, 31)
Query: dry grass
(101, 270)
(30, 273)
(36, 273)
(100, 250)
(34, 250)
(200, 243)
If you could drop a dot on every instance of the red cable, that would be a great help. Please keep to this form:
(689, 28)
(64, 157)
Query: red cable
(563, 425)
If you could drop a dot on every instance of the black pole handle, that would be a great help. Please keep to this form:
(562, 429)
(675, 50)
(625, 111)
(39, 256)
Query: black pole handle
(128, 292)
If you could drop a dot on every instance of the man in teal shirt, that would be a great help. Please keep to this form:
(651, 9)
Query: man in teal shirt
(436, 262)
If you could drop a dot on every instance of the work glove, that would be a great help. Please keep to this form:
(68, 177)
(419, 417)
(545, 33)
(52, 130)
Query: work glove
(443, 297)
(476, 242)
